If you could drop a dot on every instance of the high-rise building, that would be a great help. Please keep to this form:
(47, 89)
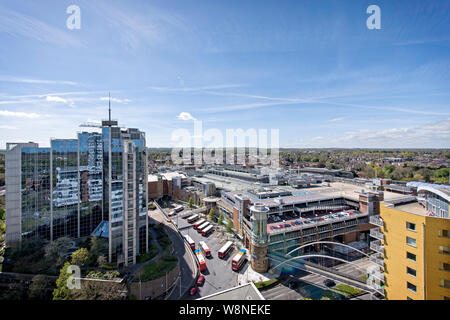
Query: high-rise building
(413, 245)
(95, 184)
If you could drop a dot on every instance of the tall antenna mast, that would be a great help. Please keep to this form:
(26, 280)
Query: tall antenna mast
(109, 106)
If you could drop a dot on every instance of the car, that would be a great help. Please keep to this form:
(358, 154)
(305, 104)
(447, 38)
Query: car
(298, 222)
(193, 290)
(329, 283)
(171, 213)
(201, 280)
(287, 225)
(293, 223)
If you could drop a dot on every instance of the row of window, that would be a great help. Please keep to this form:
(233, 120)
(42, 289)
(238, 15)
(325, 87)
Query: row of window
(441, 233)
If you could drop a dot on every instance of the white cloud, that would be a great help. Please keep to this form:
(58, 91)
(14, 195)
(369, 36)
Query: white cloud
(6, 127)
(336, 119)
(195, 89)
(185, 116)
(56, 99)
(59, 99)
(14, 114)
(432, 135)
(6, 78)
(115, 100)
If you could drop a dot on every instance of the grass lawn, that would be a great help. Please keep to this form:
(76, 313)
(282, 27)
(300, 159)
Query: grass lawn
(346, 290)
(153, 251)
(263, 284)
(156, 269)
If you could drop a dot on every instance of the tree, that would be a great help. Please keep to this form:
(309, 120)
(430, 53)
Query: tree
(80, 257)
(98, 248)
(101, 261)
(220, 221)
(40, 287)
(190, 202)
(229, 226)
(57, 251)
(62, 292)
(211, 214)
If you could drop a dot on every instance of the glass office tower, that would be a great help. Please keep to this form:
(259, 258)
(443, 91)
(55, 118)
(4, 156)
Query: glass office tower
(77, 185)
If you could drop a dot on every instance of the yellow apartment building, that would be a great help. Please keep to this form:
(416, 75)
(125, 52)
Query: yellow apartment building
(414, 241)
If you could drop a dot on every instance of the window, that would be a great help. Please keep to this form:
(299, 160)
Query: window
(410, 256)
(444, 249)
(445, 298)
(411, 272)
(444, 266)
(442, 213)
(445, 283)
(444, 233)
(411, 241)
(411, 226)
(408, 298)
(411, 287)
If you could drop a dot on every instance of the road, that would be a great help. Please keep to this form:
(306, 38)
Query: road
(311, 285)
(219, 275)
(187, 264)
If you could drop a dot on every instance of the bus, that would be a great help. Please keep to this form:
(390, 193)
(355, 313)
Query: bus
(207, 230)
(202, 226)
(238, 260)
(225, 250)
(201, 260)
(190, 241)
(175, 210)
(198, 223)
(192, 218)
(206, 251)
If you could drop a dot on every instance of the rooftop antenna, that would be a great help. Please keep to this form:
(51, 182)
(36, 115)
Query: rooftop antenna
(109, 106)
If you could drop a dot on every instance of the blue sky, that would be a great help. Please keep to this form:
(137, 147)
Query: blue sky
(311, 69)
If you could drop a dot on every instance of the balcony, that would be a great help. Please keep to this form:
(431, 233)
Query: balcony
(376, 220)
(376, 233)
(377, 246)
(377, 258)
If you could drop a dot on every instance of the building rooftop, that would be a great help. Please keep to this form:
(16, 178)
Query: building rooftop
(166, 176)
(246, 291)
(412, 207)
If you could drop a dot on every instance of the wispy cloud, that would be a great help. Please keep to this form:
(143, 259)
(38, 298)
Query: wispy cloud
(14, 114)
(6, 78)
(6, 127)
(195, 89)
(427, 135)
(18, 24)
(336, 119)
(125, 101)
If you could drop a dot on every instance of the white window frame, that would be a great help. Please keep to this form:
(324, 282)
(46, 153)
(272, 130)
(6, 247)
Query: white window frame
(415, 242)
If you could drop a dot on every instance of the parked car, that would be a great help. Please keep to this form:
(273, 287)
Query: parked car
(201, 280)
(193, 291)
(329, 283)
(287, 225)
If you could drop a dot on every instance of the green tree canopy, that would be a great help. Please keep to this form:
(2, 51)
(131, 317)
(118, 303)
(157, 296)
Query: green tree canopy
(229, 226)
(80, 257)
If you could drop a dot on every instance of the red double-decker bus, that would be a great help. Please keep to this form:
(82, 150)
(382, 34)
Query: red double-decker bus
(207, 230)
(202, 227)
(198, 223)
(225, 250)
(239, 260)
(201, 260)
(190, 241)
(205, 249)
